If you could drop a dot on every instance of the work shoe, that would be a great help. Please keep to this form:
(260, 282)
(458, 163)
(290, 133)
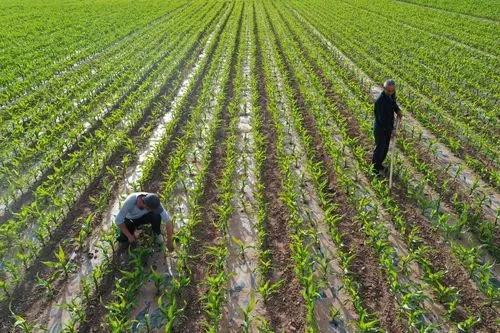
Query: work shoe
(378, 170)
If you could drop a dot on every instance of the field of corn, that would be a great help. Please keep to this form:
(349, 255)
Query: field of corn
(253, 120)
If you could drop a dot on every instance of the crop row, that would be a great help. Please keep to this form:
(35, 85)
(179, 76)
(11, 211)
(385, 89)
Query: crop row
(103, 148)
(50, 42)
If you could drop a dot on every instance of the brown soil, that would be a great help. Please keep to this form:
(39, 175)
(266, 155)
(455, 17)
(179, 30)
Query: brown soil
(440, 255)
(475, 216)
(373, 286)
(286, 308)
(472, 301)
(206, 233)
(31, 300)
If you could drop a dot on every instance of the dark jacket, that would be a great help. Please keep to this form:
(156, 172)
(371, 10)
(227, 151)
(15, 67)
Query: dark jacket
(385, 107)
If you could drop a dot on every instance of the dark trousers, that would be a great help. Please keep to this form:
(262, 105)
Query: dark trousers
(382, 139)
(150, 218)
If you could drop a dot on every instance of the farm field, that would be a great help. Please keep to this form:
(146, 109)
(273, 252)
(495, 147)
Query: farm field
(253, 121)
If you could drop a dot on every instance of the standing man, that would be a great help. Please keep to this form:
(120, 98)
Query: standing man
(143, 208)
(385, 107)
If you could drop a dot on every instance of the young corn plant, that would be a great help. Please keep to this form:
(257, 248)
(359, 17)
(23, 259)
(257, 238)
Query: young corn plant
(21, 324)
(85, 230)
(468, 324)
(62, 264)
(158, 280)
(247, 313)
(4, 287)
(368, 324)
(47, 284)
(268, 288)
(241, 246)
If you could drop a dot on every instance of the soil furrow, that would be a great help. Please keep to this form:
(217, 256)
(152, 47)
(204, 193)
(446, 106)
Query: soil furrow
(286, 308)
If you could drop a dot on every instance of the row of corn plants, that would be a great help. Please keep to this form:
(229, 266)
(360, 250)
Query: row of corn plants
(105, 242)
(361, 111)
(471, 200)
(309, 172)
(475, 34)
(383, 197)
(50, 132)
(264, 286)
(28, 64)
(465, 86)
(368, 215)
(57, 102)
(130, 283)
(476, 106)
(480, 271)
(312, 253)
(62, 201)
(185, 169)
(306, 255)
(244, 305)
(216, 280)
(55, 147)
(479, 152)
(93, 74)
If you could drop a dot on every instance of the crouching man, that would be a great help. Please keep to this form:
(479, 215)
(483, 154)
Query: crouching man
(143, 208)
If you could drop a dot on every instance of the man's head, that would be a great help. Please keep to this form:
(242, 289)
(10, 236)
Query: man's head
(150, 201)
(389, 87)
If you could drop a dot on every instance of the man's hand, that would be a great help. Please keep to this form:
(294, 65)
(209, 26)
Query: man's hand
(130, 235)
(170, 235)
(170, 246)
(131, 238)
